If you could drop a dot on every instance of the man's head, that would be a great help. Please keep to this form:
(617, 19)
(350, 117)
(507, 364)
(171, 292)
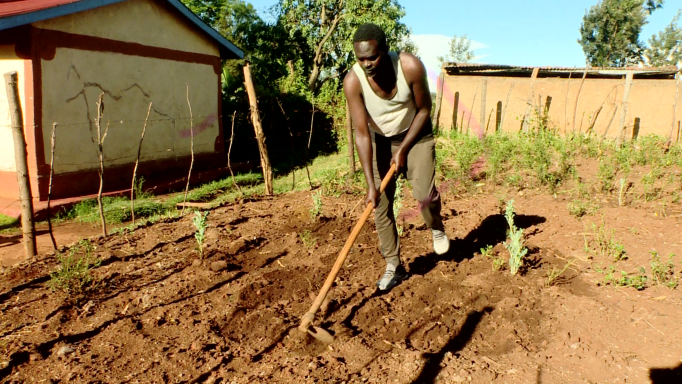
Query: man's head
(369, 44)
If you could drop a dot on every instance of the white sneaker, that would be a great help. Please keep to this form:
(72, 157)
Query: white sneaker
(441, 243)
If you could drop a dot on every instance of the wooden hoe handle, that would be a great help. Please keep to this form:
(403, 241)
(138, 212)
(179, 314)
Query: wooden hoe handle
(308, 318)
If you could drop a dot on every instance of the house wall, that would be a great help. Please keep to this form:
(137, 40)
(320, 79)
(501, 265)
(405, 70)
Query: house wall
(650, 100)
(145, 22)
(9, 62)
(135, 52)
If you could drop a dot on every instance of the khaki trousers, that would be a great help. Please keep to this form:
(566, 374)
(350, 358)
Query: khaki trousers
(421, 172)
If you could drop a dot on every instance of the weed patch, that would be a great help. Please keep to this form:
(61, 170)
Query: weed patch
(73, 272)
(663, 272)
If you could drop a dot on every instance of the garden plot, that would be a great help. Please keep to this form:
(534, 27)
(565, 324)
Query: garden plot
(155, 313)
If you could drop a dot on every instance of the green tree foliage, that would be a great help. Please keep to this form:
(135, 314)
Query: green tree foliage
(460, 50)
(610, 30)
(328, 26)
(666, 48)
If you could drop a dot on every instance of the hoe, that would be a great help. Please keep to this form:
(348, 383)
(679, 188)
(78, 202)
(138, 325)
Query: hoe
(307, 319)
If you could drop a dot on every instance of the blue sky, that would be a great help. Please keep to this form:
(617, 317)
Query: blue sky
(530, 33)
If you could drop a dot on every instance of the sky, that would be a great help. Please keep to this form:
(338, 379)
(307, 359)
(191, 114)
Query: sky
(527, 33)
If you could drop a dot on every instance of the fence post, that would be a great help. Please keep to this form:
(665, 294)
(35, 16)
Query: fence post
(351, 147)
(624, 112)
(27, 224)
(260, 136)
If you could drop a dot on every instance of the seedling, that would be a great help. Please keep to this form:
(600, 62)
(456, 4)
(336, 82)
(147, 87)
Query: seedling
(199, 221)
(623, 279)
(663, 272)
(580, 208)
(515, 244)
(73, 273)
(308, 239)
(605, 244)
(316, 210)
(498, 262)
(554, 273)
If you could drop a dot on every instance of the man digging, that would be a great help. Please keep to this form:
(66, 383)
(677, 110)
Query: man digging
(390, 105)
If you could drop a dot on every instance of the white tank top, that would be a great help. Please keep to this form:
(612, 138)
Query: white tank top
(388, 117)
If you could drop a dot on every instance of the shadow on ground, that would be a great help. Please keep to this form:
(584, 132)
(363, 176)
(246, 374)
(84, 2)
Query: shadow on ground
(433, 360)
(491, 231)
(666, 375)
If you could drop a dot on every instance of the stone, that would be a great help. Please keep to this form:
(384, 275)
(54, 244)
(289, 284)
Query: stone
(65, 350)
(218, 265)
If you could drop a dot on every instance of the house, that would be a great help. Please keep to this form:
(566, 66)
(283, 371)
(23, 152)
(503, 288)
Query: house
(480, 98)
(135, 52)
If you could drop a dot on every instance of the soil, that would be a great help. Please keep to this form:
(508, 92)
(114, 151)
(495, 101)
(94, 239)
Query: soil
(157, 314)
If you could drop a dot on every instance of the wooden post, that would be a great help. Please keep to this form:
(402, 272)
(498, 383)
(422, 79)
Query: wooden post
(100, 153)
(635, 129)
(504, 107)
(498, 116)
(679, 130)
(624, 111)
(49, 188)
(577, 97)
(439, 100)
(137, 162)
(484, 96)
(17, 118)
(455, 108)
(191, 149)
(471, 111)
(568, 86)
(260, 136)
(672, 125)
(545, 111)
(351, 146)
(530, 100)
(229, 151)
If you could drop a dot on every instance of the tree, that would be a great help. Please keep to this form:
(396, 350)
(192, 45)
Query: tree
(610, 31)
(209, 11)
(460, 50)
(328, 26)
(666, 48)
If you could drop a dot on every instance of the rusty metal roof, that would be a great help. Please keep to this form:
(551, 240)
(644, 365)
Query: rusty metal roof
(452, 68)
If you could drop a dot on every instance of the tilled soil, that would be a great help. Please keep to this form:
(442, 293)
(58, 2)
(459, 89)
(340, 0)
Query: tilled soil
(158, 314)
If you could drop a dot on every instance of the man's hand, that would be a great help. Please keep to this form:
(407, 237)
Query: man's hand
(400, 160)
(372, 197)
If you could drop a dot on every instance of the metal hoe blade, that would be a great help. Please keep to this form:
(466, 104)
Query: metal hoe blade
(320, 334)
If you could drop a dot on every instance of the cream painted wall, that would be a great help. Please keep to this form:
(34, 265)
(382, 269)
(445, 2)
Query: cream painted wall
(9, 62)
(650, 100)
(136, 21)
(74, 79)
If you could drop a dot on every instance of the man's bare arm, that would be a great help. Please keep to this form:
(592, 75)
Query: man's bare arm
(415, 75)
(363, 141)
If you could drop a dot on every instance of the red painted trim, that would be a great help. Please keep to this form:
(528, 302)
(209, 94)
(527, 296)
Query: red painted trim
(171, 172)
(48, 41)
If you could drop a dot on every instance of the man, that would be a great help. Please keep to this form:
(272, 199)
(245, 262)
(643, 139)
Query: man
(390, 105)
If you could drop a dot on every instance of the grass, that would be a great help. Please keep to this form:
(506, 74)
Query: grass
(307, 238)
(663, 272)
(555, 273)
(497, 261)
(611, 276)
(316, 209)
(7, 222)
(604, 243)
(73, 272)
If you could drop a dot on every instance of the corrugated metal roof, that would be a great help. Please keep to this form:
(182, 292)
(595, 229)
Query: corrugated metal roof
(475, 67)
(14, 13)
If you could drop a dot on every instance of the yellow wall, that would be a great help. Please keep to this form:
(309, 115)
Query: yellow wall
(650, 100)
(9, 62)
(74, 79)
(135, 21)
